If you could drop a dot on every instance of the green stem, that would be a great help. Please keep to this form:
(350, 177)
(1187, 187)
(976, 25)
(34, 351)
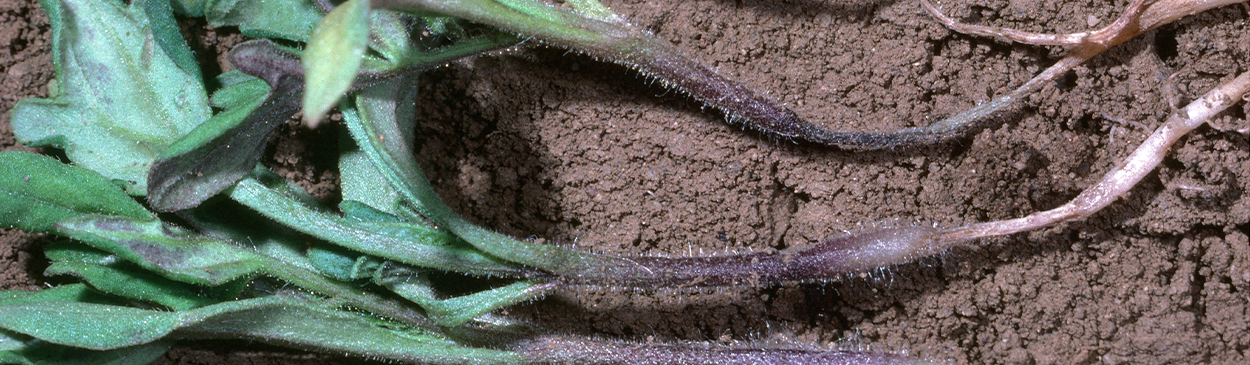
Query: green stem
(348, 294)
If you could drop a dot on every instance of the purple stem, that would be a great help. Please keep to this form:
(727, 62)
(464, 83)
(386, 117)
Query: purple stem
(829, 259)
(619, 42)
(568, 350)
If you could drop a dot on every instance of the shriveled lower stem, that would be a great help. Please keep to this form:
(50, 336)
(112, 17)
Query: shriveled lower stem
(570, 350)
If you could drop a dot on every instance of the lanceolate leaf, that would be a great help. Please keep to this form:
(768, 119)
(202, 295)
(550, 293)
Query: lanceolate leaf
(37, 191)
(168, 250)
(122, 98)
(115, 276)
(278, 320)
(37, 352)
(222, 150)
(287, 19)
(211, 159)
(333, 57)
(165, 32)
(456, 311)
(374, 124)
(402, 242)
(63, 293)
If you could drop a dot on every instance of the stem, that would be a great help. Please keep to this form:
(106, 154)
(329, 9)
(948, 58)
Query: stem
(627, 45)
(827, 260)
(568, 350)
(350, 295)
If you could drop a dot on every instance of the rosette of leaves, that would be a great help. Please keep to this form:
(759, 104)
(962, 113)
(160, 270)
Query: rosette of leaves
(241, 253)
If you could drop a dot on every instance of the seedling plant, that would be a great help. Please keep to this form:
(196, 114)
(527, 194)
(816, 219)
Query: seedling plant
(177, 232)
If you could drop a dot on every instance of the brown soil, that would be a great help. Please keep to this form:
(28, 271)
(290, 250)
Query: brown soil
(542, 144)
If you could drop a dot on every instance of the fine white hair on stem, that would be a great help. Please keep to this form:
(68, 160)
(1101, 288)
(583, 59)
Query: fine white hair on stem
(1120, 179)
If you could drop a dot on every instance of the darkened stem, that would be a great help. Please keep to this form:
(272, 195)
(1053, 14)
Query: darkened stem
(625, 44)
(568, 350)
(827, 260)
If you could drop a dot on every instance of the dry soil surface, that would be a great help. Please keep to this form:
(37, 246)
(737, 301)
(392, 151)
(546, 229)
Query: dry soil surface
(560, 148)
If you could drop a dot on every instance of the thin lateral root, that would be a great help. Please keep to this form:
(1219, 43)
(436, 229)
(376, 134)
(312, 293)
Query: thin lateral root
(1118, 181)
(1104, 38)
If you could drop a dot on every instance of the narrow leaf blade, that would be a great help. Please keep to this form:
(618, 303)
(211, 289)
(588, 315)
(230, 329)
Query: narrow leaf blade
(333, 57)
(290, 20)
(169, 251)
(37, 191)
(110, 274)
(222, 150)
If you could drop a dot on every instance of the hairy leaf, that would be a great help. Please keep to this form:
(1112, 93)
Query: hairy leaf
(277, 320)
(460, 310)
(167, 250)
(167, 35)
(37, 191)
(63, 293)
(375, 123)
(37, 352)
(220, 151)
(227, 220)
(113, 275)
(285, 19)
(408, 243)
(333, 57)
(122, 98)
(362, 181)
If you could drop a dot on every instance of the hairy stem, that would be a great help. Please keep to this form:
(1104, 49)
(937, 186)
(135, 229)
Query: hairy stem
(829, 259)
(622, 43)
(568, 350)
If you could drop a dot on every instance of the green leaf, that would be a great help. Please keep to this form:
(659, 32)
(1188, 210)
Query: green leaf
(122, 99)
(63, 293)
(238, 100)
(16, 348)
(390, 35)
(360, 212)
(237, 89)
(360, 179)
(220, 151)
(275, 320)
(333, 57)
(37, 191)
(375, 123)
(460, 310)
(44, 353)
(285, 19)
(189, 8)
(169, 37)
(93, 326)
(407, 243)
(111, 274)
(227, 220)
(532, 8)
(209, 160)
(170, 251)
(595, 10)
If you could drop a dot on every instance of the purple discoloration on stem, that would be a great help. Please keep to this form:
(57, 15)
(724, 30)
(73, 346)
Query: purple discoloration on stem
(567, 350)
(741, 104)
(827, 260)
(619, 42)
